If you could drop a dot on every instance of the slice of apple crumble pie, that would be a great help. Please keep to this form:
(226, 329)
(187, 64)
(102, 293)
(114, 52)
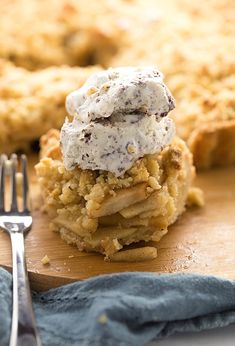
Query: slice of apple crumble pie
(116, 174)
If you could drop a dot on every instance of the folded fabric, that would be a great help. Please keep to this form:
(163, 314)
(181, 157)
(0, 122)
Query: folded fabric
(124, 309)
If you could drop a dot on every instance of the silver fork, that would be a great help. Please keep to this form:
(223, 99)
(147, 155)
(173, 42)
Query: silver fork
(16, 223)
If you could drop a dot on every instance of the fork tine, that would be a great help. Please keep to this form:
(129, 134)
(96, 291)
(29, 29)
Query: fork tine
(3, 159)
(25, 182)
(14, 206)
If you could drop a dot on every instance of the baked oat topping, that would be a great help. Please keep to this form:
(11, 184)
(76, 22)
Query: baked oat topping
(41, 33)
(31, 103)
(45, 260)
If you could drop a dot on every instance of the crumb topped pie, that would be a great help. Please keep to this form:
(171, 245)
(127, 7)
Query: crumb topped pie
(103, 193)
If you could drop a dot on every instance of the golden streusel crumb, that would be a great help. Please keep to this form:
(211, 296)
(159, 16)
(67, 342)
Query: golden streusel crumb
(31, 103)
(45, 260)
(74, 33)
(195, 50)
(102, 319)
(195, 197)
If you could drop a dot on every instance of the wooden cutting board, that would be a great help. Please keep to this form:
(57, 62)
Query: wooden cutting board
(202, 241)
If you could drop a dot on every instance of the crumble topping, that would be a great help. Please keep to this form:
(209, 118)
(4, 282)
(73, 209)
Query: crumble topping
(45, 260)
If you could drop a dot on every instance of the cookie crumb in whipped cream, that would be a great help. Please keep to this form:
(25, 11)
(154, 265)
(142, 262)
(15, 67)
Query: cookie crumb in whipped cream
(119, 115)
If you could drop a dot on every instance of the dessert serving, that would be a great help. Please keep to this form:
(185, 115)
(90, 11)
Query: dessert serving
(116, 174)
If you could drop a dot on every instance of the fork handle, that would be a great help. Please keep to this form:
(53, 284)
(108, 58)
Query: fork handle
(23, 328)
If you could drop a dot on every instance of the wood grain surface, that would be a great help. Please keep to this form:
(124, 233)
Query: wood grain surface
(202, 241)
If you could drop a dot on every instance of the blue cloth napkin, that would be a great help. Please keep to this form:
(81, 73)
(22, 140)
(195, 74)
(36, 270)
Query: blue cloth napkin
(124, 309)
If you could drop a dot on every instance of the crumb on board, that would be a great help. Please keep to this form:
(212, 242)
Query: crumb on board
(71, 256)
(45, 260)
(145, 253)
(195, 197)
(102, 319)
(52, 227)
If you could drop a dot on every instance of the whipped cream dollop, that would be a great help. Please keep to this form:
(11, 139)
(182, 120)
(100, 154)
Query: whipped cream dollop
(119, 115)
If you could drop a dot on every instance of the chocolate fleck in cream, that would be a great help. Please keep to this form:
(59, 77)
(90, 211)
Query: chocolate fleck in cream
(120, 115)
